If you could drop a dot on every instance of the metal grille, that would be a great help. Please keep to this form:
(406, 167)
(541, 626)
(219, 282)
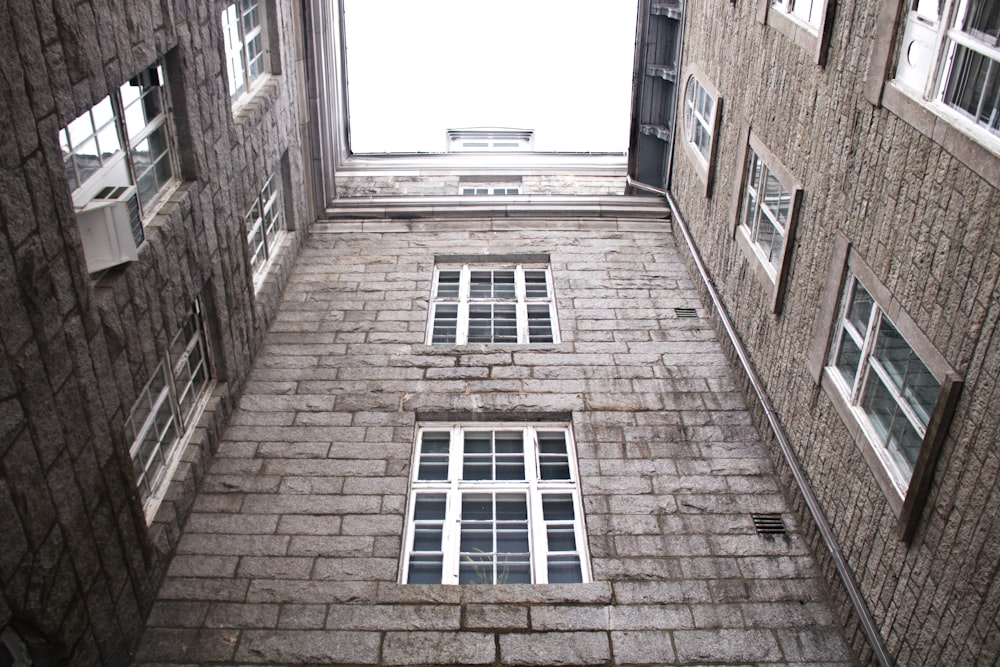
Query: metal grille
(685, 312)
(768, 524)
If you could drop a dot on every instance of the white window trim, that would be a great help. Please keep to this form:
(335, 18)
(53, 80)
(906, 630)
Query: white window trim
(183, 424)
(812, 38)
(102, 178)
(521, 301)
(815, 20)
(270, 240)
(704, 166)
(472, 189)
(534, 488)
(240, 50)
(773, 277)
(907, 502)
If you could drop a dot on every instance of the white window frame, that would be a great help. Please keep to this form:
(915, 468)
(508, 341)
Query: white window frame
(246, 47)
(808, 13)
(522, 303)
(122, 117)
(532, 487)
(702, 158)
(933, 34)
(266, 225)
(479, 189)
(772, 272)
(167, 410)
(905, 498)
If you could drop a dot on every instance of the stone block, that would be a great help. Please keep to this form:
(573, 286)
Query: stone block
(555, 648)
(438, 648)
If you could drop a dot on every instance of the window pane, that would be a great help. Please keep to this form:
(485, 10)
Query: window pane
(445, 324)
(424, 569)
(535, 286)
(769, 238)
(860, 310)
(983, 20)
(433, 456)
(565, 570)
(447, 287)
(553, 458)
(480, 285)
(558, 507)
(429, 507)
(505, 324)
(539, 324)
(776, 200)
(974, 87)
(848, 359)
(897, 434)
(906, 371)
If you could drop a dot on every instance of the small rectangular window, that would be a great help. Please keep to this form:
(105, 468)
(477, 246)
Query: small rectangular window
(482, 304)
(244, 32)
(265, 225)
(494, 505)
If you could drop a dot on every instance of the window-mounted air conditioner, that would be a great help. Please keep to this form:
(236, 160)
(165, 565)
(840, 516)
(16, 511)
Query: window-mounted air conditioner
(110, 228)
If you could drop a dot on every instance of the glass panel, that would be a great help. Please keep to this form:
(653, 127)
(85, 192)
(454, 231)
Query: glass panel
(433, 456)
(561, 538)
(503, 284)
(509, 455)
(535, 286)
(848, 359)
(906, 371)
(893, 429)
(553, 459)
(974, 87)
(558, 507)
(477, 507)
(983, 20)
(769, 239)
(776, 200)
(477, 460)
(429, 507)
(480, 285)
(860, 309)
(539, 324)
(505, 324)
(565, 570)
(445, 324)
(447, 287)
(424, 569)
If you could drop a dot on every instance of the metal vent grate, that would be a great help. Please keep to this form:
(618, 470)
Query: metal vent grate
(685, 312)
(768, 524)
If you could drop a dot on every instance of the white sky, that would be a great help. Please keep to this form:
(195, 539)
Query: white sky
(560, 67)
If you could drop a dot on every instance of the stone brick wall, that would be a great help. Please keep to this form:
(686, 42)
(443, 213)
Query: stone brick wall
(78, 565)
(926, 225)
(291, 554)
(379, 185)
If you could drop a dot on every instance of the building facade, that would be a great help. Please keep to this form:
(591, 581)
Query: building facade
(841, 186)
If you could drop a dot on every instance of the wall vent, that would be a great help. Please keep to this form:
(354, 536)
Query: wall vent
(685, 312)
(768, 524)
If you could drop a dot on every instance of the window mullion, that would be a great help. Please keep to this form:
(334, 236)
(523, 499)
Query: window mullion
(538, 545)
(453, 509)
(462, 325)
(866, 351)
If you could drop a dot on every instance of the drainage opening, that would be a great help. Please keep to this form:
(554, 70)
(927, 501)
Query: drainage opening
(768, 524)
(685, 312)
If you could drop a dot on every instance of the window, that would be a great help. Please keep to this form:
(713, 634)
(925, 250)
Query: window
(493, 304)
(884, 380)
(265, 225)
(768, 207)
(124, 140)
(495, 505)
(891, 387)
(486, 189)
(490, 139)
(950, 58)
(808, 12)
(167, 409)
(246, 57)
(701, 124)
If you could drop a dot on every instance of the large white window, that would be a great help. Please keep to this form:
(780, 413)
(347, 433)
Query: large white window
(699, 118)
(166, 410)
(493, 304)
(246, 56)
(950, 58)
(126, 139)
(494, 505)
(809, 12)
(884, 380)
(265, 224)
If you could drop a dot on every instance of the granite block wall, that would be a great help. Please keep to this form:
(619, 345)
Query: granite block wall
(79, 564)
(926, 225)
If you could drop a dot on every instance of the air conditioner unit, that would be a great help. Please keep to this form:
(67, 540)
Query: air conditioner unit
(110, 228)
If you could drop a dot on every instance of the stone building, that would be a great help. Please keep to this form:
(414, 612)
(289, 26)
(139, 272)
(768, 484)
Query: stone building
(264, 401)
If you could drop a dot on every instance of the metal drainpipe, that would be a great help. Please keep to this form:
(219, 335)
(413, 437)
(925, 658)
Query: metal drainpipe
(815, 509)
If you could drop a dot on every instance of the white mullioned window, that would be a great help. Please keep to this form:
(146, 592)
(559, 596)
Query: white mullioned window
(125, 139)
(167, 409)
(950, 58)
(766, 211)
(495, 504)
(887, 385)
(246, 56)
(699, 117)
(265, 225)
(490, 190)
(806, 11)
(492, 304)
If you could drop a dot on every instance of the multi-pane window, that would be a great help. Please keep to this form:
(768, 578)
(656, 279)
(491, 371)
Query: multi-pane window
(246, 57)
(806, 11)
(265, 223)
(766, 211)
(490, 190)
(167, 409)
(494, 505)
(950, 56)
(486, 304)
(123, 140)
(699, 117)
(884, 380)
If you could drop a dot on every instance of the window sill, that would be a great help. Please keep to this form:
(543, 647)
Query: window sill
(890, 489)
(979, 153)
(257, 100)
(484, 348)
(802, 35)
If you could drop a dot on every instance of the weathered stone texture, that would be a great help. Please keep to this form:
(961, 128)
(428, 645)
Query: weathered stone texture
(80, 565)
(926, 225)
(302, 561)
